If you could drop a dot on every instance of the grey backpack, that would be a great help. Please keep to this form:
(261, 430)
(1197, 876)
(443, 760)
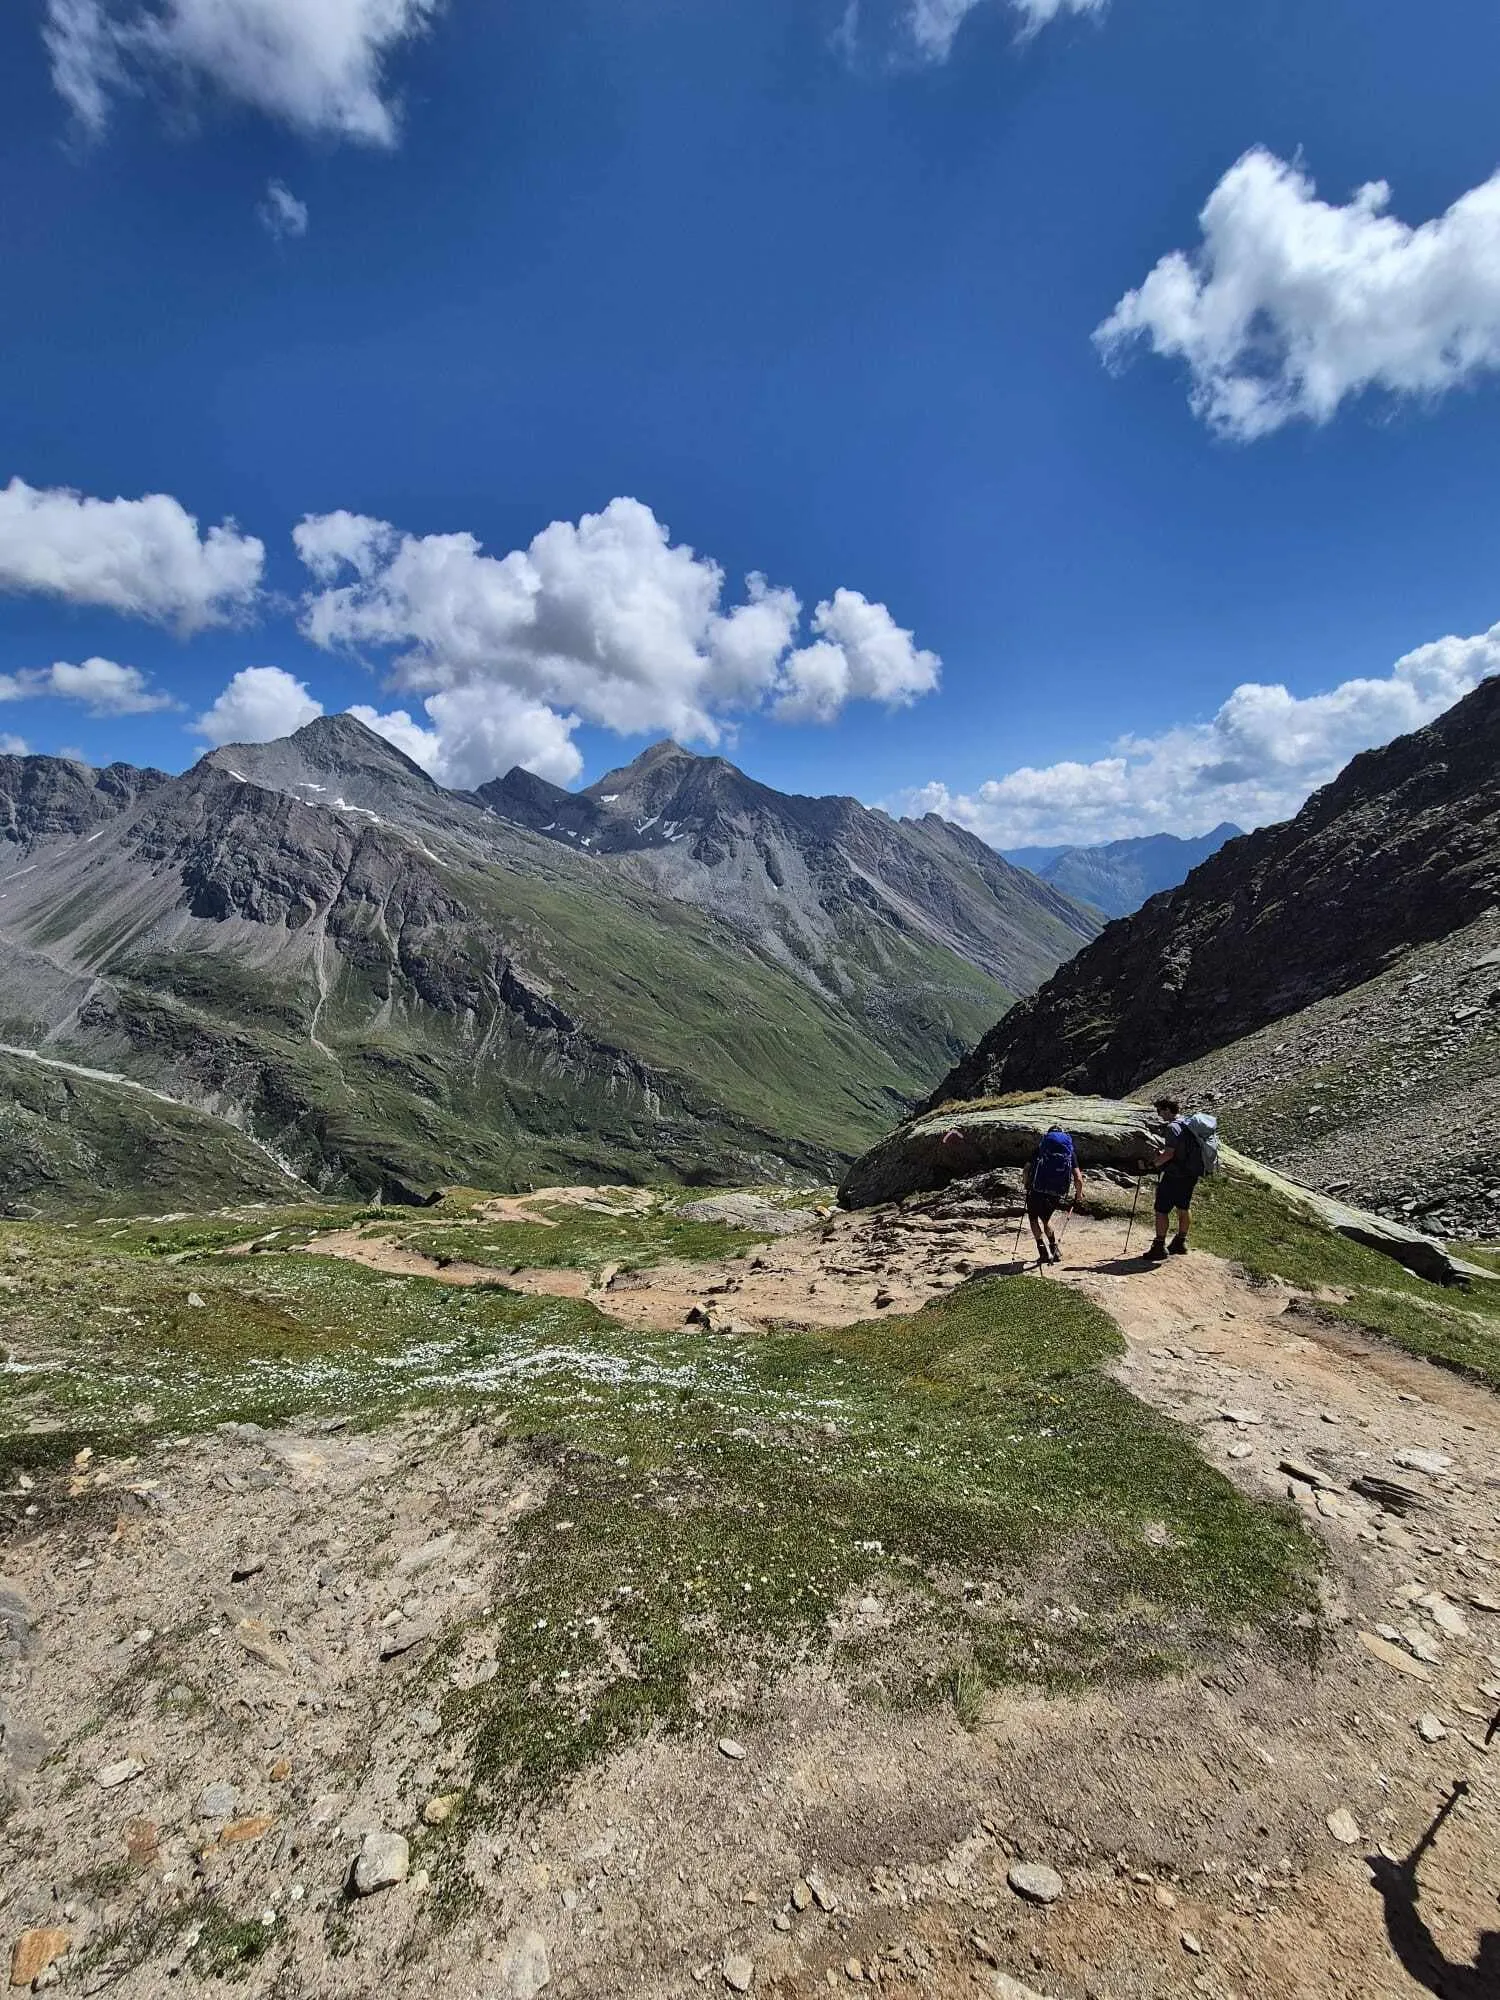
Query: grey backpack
(1204, 1131)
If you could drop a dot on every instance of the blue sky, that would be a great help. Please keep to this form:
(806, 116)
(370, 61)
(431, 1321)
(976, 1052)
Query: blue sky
(817, 291)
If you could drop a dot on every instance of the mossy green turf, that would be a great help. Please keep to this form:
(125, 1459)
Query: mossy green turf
(1456, 1327)
(710, 1503)
(580, 1239)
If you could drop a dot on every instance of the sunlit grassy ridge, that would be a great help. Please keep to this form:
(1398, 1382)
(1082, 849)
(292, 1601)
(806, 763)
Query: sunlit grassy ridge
(1017, 1512)
(1457, 1328)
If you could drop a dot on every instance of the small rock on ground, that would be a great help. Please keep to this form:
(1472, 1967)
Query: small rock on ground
(1343, 1826)
(1036, 1882)
(111, 1776)
(739, 1973)
(384, 1860)
(35, 1954)
(524, 1966)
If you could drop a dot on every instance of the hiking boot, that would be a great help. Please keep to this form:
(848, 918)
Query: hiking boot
(1052, 1246)
(1177, 1247)
(1157, 1254)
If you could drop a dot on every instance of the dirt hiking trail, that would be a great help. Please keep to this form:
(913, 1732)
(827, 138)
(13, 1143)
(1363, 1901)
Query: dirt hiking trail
(1237, 1832)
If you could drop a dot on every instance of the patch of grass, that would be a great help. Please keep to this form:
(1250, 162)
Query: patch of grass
(1456, 1328)
(1023, 1515)
(580, 1239)
(711, 1507)
(228, 1946)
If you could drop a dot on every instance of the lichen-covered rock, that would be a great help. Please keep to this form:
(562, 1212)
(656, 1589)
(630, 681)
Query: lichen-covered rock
(962, 1140)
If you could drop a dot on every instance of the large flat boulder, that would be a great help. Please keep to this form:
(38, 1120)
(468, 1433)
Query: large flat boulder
(963, 1140)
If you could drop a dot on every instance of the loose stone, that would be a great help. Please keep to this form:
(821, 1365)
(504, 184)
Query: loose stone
(383, 1861)
(1035, 1882)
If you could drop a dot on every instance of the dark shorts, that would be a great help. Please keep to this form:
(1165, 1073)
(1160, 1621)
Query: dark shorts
(1175, 1189)
(1042, 1207)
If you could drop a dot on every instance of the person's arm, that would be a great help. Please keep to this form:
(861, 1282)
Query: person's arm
(1077, 1182)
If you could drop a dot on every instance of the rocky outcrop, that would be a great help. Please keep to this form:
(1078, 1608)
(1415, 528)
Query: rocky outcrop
(964, 1141)
(1425, 1255)
(961, 1141)
(48, 798)
(1401, 849)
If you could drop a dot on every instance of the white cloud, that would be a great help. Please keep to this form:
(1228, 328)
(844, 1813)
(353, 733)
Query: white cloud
(260, 703)
(281, 214)
(1255, 761)
(605, 621)
(13, 746)
(316, 65)
(103, 687)
(934, 24)
(1292, 304)
(478, 732)
(143, 557)
(926, 30)
(861, 654)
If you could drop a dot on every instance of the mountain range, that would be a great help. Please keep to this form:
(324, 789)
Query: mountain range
(1120, 875)
(1333, 982)
(392, 985)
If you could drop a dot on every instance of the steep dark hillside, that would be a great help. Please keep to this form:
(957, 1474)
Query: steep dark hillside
(1120, 875)
(1401, 849)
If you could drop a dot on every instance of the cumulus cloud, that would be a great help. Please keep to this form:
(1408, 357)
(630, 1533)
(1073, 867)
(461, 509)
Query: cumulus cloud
(605, 621)
(316, 65)
(13, 746)
(103, 687)
(142, 557)
(1255, 761)
(474, 733)
(260, 703)
(281, 214)
(1292, 304)
(861, 654)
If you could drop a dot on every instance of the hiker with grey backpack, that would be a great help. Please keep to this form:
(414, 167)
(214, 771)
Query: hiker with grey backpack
(1191, 1151)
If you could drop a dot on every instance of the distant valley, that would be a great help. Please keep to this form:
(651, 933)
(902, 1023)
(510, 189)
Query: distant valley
(392, 986)
(1122, 874)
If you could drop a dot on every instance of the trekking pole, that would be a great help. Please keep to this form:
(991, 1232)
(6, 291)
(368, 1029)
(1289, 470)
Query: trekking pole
(1015, 1248)
(1062, 1234)
(1139, 1183)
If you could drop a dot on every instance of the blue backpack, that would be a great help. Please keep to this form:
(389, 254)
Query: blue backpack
(1052, 1164)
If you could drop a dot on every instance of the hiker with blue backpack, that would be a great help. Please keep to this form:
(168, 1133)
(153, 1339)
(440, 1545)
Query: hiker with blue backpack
(1052, 1172)
(1191, 1151)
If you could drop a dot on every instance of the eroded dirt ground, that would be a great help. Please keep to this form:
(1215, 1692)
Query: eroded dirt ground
(1220, 1835)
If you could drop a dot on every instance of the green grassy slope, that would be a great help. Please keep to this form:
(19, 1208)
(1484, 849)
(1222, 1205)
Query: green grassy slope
(749, 1072)
(71, 1144)
(1457, 1328)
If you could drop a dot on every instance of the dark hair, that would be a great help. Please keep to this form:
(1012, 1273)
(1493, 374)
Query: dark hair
(1167, 1104)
